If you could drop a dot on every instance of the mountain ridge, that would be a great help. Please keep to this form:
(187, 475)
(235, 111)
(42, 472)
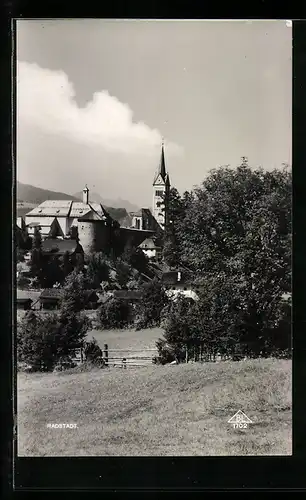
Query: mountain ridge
(27, 193)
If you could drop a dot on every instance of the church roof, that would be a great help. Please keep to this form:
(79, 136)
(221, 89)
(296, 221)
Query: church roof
(67, 208)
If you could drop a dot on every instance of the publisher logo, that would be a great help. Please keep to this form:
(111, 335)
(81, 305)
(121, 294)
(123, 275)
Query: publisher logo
(240, 420)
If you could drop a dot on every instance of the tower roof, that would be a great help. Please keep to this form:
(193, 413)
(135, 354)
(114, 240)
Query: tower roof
(162, 167)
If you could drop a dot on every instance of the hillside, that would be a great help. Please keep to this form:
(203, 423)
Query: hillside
(31, 194)
(158, 410)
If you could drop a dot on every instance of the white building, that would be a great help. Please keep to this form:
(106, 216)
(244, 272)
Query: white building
(176, 283)
(62, 215)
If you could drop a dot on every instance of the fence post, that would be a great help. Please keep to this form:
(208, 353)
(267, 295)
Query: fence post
(82, 359)
(105, 354)
(186, 355)
(201, 355)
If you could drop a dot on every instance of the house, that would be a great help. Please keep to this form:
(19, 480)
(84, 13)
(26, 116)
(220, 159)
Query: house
(58, 248)
(179, 283)
(23, 303)
(151, 248)
(128, 297)
(48, 227)
(50, 298)
(27, 299)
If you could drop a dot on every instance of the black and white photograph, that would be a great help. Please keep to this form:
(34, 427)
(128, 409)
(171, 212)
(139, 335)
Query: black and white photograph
(153, 237)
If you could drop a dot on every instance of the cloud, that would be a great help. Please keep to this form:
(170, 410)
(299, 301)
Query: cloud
(46, 99)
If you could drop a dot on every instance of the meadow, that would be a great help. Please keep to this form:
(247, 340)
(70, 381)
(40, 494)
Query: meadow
(177, 410)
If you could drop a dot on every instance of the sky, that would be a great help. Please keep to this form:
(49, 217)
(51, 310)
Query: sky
(94, 98)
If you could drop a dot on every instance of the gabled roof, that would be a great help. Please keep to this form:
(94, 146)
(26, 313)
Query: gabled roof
(67, 208)
(24, 300)
(27, 294)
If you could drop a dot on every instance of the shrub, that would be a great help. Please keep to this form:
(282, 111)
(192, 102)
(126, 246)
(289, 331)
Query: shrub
(43, 342)
(150, 308)
(167, 353)
(114, 314)
(93, 353)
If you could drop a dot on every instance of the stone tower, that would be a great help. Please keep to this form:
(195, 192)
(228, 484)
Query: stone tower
(161, 189)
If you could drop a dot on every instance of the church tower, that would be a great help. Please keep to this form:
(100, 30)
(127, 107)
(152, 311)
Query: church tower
(161, 189)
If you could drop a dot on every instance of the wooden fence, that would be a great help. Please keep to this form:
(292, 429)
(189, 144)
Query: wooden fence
(122, 358)
(128, 358)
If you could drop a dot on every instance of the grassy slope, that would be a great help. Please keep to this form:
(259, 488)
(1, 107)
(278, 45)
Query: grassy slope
(171, 410)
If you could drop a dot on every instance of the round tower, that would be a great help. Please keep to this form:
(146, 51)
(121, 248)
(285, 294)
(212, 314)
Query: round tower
(94, 235)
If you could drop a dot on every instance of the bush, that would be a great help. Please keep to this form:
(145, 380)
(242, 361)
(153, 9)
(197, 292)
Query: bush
(93, 353)
(114, 314)
(43, 342)
(150, 308)
(167, 353)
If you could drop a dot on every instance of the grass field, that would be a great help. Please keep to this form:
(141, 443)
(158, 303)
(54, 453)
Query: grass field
(157, 410)
(131, 340)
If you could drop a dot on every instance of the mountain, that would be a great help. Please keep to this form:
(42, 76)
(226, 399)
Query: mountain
(31, 194)
(119, 203)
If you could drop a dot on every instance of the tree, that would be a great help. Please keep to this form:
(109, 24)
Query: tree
(97, 269)
(236, 237)
(42, 342)
(123, 273)
(135, 258)
(74, 233)
(74, 292)
(154, 299)
(177, 206)
(37, 261)
(114, 313)
(66, 265)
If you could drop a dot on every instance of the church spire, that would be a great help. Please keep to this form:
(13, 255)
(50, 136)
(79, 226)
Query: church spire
(162, 167)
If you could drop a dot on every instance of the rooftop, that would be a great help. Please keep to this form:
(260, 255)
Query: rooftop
(67, 208)
(57, 293)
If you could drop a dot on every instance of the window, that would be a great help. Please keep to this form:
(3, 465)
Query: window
(159, 193)
(159, 203)
(137, 224)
